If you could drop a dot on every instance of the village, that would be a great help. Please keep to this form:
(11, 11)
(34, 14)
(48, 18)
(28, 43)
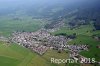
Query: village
(41, 40)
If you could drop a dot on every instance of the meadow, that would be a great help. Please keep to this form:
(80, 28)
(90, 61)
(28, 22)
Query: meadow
(14, 55)
(9, 24)
(84, 36)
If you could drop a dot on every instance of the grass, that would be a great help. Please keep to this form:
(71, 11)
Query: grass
(24, 23)
(93, 50)
(15, 55)
(82, 30)
(6, 61)
(84, 36)
(54, 54)
(97, 33)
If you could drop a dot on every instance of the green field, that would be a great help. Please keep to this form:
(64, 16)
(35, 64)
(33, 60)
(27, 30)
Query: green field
(54, 54)
(82, 30)
(10, 24)
(93, 50)
(84, 36)
(15, 55)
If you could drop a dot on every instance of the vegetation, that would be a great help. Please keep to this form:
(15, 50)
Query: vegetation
(15, 55)
(9, 24)
(83, 36)
(81, 23)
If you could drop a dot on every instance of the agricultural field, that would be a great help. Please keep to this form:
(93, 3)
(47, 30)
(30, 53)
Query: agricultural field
(84, 36)
(82, 30)
(9, 24)
(54, 54)
(15, 55)
(93, 51)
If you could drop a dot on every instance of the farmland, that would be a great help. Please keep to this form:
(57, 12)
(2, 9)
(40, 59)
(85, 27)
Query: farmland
(15, 55)
(10, 24)
(84, 36)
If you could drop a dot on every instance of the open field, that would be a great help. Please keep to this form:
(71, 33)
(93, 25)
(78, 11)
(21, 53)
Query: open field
(82, 30)
(10, 24)
(93, 50)
(84, 36)
(15, 55)
(54, 54)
